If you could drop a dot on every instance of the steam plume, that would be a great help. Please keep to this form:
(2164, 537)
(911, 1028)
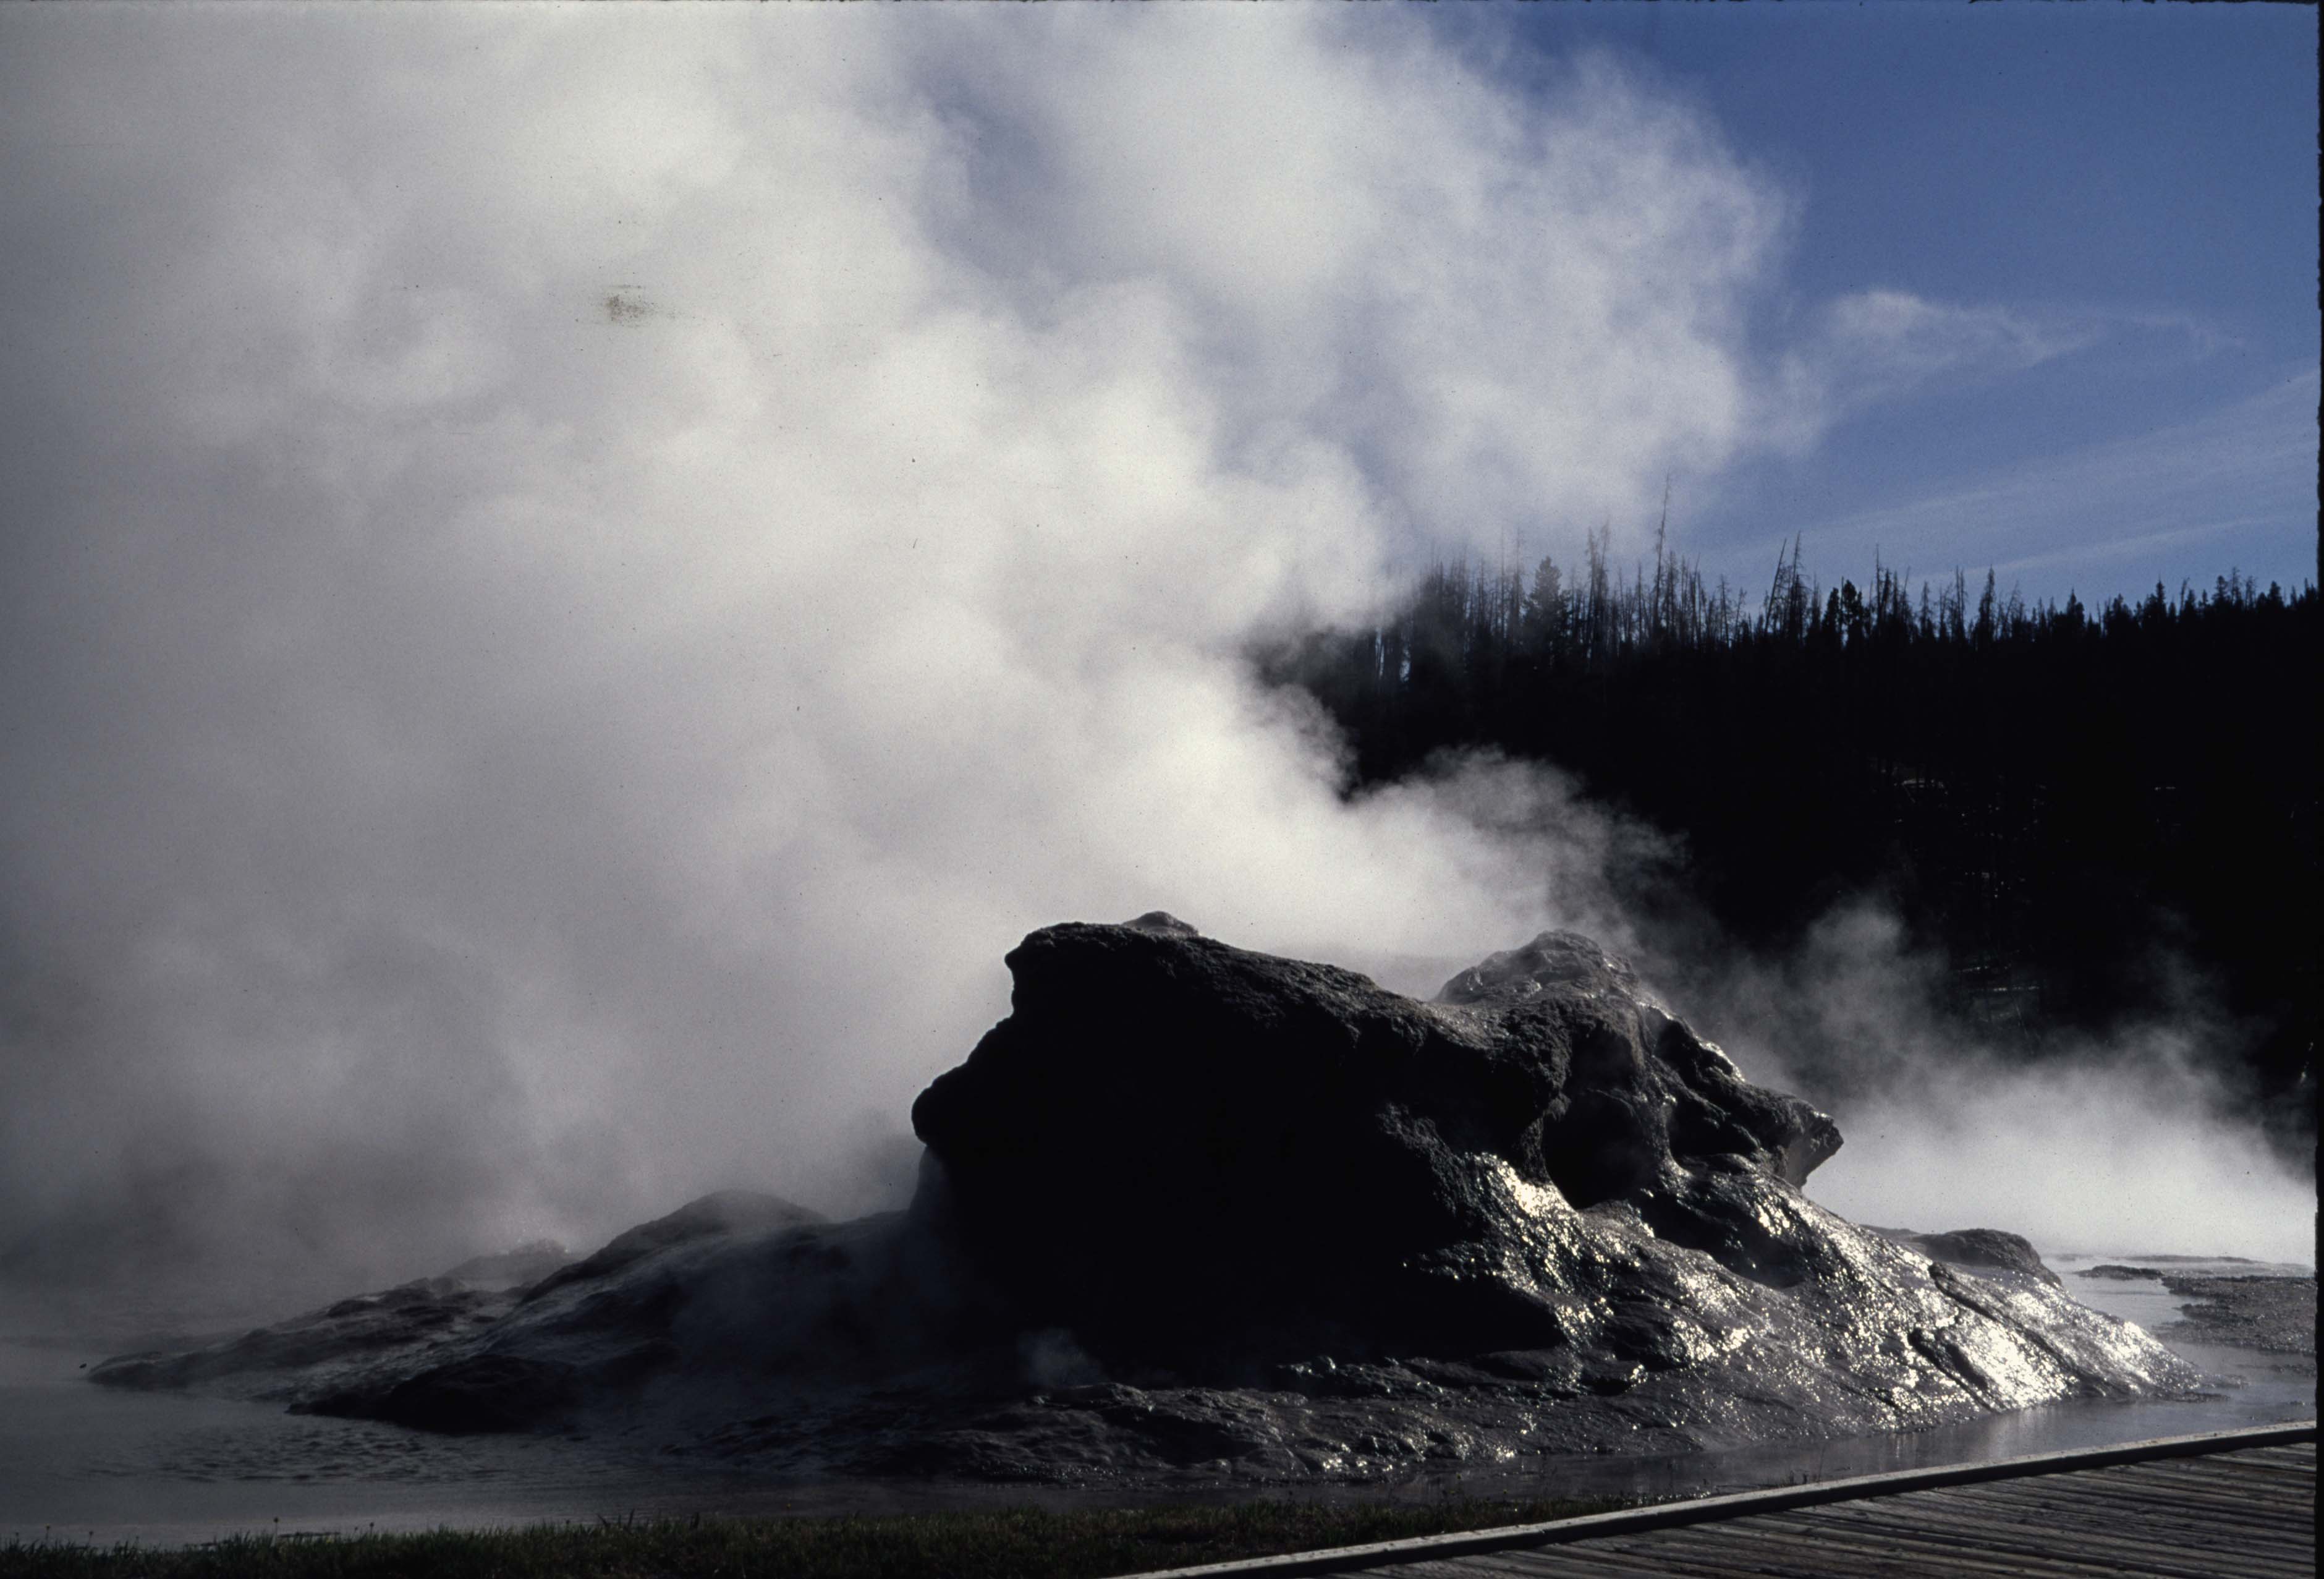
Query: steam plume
(572, 580)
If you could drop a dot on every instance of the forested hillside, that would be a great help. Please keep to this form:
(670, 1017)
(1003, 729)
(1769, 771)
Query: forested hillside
(2094, 813)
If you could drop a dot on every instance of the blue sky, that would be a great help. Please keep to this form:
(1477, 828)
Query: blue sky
(2140, 179)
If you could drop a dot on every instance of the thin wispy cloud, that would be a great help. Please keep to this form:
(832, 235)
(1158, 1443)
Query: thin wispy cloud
(2243, 476)
(1881, 343)
(1884, 347)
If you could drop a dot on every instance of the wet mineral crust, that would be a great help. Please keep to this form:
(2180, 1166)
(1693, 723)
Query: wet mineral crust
(1192, 1211)
(2274, 1316)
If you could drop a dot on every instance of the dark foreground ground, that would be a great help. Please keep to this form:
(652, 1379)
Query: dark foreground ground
(1022, 1542)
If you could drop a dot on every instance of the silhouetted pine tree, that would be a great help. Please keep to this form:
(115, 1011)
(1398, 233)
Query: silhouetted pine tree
(2064, 802)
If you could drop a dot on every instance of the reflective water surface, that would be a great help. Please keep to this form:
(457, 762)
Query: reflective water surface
(80, 1462)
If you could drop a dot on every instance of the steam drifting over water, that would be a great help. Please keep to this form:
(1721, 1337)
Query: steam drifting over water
(2130, 1145)
(573, 581)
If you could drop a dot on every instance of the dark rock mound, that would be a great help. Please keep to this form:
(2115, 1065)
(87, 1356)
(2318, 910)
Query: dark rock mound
(1194, 1211)
(2115, 1272)
(1179, 1150)
(1299, 1210)
(1984, 1249)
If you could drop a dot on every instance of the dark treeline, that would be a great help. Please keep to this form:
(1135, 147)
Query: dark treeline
(2073, 805)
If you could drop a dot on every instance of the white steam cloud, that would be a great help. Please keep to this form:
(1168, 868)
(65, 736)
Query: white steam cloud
(2132, 1155)
(573, 579)
(2132, 1146)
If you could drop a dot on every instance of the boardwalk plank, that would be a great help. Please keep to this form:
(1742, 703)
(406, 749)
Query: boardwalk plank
(2302, 1454)
(2290, 1456)
(2113, 1496)
(2225, 1471)
(2199, 1545)
(2032, 1507)
(2285, 1535)
(1586, 1561)
(2193, 1507)
(1946, 1523)
(2179, 1493)
(2217, 1482)
(2273, 1461)
(1966, 1546)
(1789, 1530)
(2192, 1473)
(2276, 1457)
(1690, 1552)
(1574, 1562)
(1660, 1554)
(1747, 1544)
(2151, 1548)
(2093, 1522)
(2242, 1482)
(2132, 1503)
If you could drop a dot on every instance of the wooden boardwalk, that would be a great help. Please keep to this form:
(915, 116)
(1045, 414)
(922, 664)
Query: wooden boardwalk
(2230, 1505)
(2248, 1513)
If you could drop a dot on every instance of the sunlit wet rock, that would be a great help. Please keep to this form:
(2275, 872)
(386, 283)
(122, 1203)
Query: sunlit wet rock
(1195, 1211)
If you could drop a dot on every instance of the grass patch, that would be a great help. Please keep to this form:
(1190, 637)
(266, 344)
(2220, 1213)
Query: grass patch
(1009, 1543)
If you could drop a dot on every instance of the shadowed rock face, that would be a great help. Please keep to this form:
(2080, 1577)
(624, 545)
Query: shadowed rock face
(1195, 1211)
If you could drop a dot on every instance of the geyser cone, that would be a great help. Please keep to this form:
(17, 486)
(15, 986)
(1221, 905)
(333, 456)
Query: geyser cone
(1191, 1207)
(1174, 1146)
